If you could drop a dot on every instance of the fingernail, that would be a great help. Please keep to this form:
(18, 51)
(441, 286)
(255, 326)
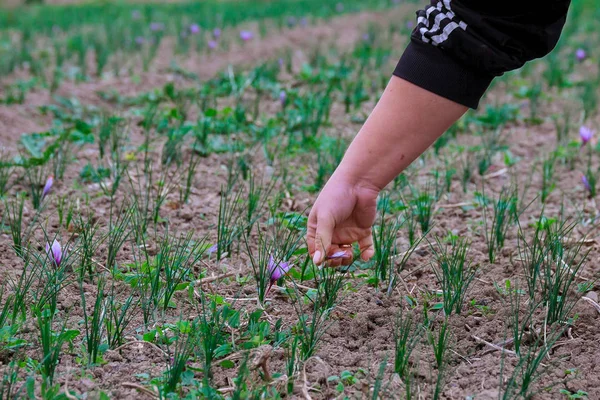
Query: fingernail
(317, 257)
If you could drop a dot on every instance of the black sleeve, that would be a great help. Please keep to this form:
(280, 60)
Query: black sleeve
(459, 46)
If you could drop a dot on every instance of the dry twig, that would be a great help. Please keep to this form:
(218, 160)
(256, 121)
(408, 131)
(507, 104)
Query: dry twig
(494, 346)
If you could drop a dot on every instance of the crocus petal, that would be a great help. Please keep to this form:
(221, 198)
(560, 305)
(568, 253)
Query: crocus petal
(194, 29)
(580, 54)
(585, 134)
(280, 270)
(246, 35)
(282, 97)
(338, 254)
(216, 33)
(586, 183)
(271, 265)
(48, 186)
(157, 26)
(277, 270)
(212, 248)
(212, 44)
(55, 252)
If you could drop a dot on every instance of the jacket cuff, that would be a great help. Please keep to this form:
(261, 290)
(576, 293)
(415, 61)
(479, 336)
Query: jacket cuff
(432, 69)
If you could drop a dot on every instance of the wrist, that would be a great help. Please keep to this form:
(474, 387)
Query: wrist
(354, 177)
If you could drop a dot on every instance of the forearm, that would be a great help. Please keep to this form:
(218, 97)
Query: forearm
(405, 122)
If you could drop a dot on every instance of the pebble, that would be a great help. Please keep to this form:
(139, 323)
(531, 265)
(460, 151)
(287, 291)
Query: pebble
(186, 213)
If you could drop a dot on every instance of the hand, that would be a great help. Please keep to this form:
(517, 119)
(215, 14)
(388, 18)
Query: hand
(342, 215)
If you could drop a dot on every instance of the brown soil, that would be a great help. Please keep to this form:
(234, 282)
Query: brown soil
(361, 334)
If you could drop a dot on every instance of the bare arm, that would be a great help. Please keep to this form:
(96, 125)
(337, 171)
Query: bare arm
(405, 122)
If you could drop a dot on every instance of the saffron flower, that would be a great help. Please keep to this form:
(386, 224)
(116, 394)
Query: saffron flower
(585, 134)
(276, 271)
(580, 55)
(282, 98)
(212, 44)
(216, 33)
(47, 186)
(586, 184)
(194, 29)
(157, 26)
(55, 252)
(213, 248)
(246, 35)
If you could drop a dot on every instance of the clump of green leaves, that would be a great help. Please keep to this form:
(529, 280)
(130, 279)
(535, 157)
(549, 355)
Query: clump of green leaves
(454, 273)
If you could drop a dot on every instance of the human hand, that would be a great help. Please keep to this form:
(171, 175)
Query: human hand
(342, 215)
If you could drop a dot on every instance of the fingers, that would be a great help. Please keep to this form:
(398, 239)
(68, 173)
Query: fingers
(339, 255)
(322, 242)
(367, 250)
(311, 231)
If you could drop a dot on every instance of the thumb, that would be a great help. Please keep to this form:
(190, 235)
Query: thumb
(325, 226)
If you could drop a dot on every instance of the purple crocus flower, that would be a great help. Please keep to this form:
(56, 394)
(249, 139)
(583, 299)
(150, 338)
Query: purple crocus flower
(303, 21)
(585, 134)
(194, 29)
(47, 186)
(55, 252)
(291, 21)
(280, 62)
(216, 33)
(246, 35)
(212, 248)
(212, 44)
(276, 271)
(136, 14)
(580, 55)
(139, 40)
(157, 26)
(366, 37)
(283, 98)
(339, 7)
(586, 184)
